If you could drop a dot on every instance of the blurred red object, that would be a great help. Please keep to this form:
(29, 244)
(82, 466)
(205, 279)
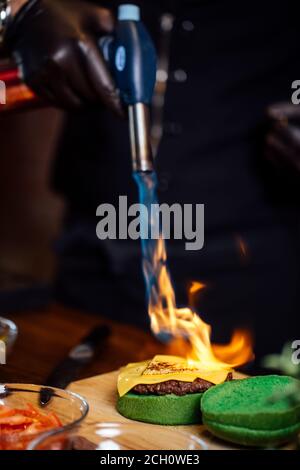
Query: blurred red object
(17, 94)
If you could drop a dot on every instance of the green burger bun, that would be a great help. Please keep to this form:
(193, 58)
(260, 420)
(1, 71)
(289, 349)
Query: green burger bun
(161, 409)
(252, 411)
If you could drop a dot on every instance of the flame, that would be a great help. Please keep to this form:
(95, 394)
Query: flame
(189, 333)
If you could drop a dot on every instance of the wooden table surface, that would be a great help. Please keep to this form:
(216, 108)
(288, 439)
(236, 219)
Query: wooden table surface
(45, 337)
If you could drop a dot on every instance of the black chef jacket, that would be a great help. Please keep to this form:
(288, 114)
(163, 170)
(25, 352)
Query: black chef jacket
(238, 58)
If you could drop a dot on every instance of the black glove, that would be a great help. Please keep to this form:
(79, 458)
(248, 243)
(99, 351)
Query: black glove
(283, 140)
(56, 44)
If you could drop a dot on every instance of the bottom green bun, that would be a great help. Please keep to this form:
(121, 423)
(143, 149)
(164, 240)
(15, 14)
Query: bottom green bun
(161, 409)
(252, 411)
(252, 437)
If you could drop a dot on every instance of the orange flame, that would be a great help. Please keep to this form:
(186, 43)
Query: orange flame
(188, 330)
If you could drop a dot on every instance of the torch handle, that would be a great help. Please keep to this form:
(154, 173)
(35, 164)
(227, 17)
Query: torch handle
(132, 59)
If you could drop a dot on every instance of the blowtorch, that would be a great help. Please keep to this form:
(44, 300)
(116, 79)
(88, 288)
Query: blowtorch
(132, 59)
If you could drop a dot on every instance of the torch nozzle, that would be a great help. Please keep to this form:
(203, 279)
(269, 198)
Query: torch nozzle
(139, 124)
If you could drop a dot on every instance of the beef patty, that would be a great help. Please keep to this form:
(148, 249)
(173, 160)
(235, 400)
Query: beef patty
(177, 387)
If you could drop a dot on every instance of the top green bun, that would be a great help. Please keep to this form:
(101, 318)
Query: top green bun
(241, 411)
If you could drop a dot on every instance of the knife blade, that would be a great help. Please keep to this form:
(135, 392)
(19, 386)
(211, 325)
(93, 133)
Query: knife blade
(70, 367)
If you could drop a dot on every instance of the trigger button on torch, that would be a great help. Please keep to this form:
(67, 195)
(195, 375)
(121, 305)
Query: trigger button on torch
(120, 58)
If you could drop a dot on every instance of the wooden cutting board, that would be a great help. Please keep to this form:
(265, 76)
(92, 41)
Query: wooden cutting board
(100, 393)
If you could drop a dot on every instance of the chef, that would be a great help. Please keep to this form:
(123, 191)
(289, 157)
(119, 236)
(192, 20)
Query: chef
(222, 64)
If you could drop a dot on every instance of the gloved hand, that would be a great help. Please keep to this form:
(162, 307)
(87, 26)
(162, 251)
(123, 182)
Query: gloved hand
(283, 140)
(56, 44)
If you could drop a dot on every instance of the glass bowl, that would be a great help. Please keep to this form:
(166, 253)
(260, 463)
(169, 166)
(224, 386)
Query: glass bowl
(8, 334)
(63, 410)
(118, 436)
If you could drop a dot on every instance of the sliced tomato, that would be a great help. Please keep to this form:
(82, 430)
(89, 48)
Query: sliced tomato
(55, 419)
(6, 411)
(15, 420)
(26, 422)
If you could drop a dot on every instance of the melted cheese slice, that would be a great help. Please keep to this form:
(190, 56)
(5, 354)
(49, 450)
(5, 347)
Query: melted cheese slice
(162, 368)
